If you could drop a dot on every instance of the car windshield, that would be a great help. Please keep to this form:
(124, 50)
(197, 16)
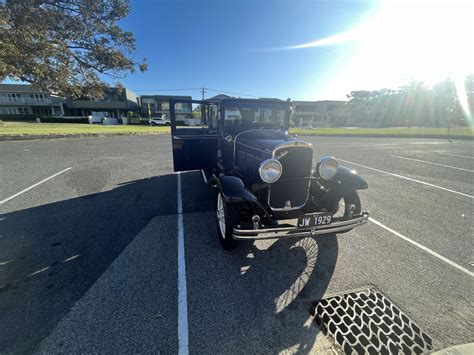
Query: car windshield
(241, 115)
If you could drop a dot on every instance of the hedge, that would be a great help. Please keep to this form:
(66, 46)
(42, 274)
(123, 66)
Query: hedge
(43, 119)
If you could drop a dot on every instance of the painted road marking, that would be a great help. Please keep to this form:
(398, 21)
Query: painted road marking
(456, 155)
(428, 162)
(183, 342)
(409, 179)
(33, 186)
(422, 247)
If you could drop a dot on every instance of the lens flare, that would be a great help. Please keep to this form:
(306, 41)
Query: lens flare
(402, 41)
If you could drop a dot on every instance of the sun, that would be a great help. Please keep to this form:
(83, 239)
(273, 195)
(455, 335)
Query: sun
(416, 41)
(402, 42)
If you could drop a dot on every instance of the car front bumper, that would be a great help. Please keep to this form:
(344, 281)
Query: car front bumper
(292, 231)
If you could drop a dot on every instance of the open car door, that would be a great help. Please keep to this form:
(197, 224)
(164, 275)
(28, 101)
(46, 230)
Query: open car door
(193, 134)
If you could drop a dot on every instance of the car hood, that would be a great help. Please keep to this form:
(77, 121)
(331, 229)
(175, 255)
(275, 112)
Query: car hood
(263, 139)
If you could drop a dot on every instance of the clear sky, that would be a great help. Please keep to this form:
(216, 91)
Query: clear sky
(220, 44)
(299, 49)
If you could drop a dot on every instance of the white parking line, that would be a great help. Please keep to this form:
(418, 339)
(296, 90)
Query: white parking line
(428, 162)
(422, 247)
(409, 179)
(456, 155)
(183, 342)
(33, 186)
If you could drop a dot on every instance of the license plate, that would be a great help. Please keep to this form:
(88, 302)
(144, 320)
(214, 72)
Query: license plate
(314, 219)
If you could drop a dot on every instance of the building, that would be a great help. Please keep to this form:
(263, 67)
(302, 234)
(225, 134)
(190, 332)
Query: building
(159, 106)
(220, 97)
(115, 103)
(19, 99)
(328, 113)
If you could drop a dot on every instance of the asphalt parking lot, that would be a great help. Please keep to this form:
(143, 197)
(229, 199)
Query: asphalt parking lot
(89, 258)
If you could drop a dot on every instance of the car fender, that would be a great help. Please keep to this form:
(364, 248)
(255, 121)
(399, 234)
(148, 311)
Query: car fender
(331, 191)
(234, 190)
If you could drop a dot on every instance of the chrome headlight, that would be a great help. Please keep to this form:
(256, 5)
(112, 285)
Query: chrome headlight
(270, 170)
(327, 168)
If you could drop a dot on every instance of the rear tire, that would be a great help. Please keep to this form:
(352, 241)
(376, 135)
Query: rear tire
(227, 216)
(351, 198)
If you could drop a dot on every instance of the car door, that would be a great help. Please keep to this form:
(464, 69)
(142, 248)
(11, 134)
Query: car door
(193, 134)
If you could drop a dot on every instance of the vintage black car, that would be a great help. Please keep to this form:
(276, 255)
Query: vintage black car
(267, 184)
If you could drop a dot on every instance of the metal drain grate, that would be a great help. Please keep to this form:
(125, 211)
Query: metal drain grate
(366, 322)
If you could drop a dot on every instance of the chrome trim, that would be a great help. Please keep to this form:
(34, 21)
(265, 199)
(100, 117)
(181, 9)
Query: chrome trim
(291, 232)
(261, 166)
(204, 176)
(321, 162)
(295, 143)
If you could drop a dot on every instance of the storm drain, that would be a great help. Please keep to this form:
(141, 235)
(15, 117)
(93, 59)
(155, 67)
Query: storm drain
(366, 322)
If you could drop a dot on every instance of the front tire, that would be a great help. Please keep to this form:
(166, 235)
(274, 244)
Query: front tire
(227, 216)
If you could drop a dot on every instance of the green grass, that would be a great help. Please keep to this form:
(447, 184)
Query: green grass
(61, 129)
(40, 129)
(457, 132)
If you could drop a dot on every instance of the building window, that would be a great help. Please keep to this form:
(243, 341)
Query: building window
(165, 106)
(11, 97)
(42, 111)
(8, 110)
(38, 97)
(23, 111)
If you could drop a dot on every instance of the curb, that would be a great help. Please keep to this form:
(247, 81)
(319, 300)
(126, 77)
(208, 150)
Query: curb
(27, 137)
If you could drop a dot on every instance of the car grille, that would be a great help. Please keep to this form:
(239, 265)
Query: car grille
(297, 163)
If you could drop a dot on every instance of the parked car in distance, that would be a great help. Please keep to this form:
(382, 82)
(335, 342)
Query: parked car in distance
(159, 121)
(267, 184)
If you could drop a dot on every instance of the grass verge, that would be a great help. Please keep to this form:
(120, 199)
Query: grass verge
(414, 132)
(27, 130)
(73, 129)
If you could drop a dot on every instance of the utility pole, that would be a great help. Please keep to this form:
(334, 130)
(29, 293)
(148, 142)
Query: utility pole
(203, 91)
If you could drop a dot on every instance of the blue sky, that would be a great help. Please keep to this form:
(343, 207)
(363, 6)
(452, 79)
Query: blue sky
(219, 44)
(302, 49)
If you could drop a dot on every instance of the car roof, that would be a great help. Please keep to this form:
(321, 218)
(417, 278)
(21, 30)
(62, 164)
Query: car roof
(275, 103)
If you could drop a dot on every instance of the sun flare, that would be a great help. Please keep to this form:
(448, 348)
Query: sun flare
(403, 41)
(419, 41)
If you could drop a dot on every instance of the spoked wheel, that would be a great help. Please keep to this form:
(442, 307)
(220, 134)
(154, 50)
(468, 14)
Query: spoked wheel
(227, 217)
(350, 200)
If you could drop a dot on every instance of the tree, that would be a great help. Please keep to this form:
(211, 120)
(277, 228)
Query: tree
(446, 101)
(363, 105)
(65, 46)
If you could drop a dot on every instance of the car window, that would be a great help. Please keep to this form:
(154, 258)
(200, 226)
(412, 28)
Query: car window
(213, 116)
(248, 116)
(192, 115)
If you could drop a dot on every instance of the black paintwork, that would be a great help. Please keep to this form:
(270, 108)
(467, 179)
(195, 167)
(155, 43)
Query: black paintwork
(234, 189)
(232, 154)
(346, 180)
(193, 148)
